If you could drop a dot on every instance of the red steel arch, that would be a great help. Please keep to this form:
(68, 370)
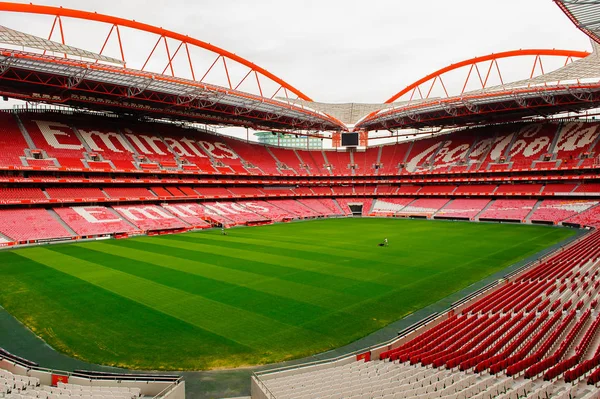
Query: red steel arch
(184, 40)
(494, 57)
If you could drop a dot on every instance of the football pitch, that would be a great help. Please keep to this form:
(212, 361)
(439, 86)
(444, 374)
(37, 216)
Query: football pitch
(258, 295)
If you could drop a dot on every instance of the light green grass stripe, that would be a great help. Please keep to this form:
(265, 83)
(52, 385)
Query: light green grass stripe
(319, 247)
(221, 319)
(271, 285)
(302, 264)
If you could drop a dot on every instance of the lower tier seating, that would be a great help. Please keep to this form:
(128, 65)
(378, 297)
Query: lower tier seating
(463, 208)
(31, 224)
(150, 217)
(508, 209)
(558, 210)
(93, 220)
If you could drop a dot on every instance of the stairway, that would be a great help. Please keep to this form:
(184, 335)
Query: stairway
(62, 222)
(24, 132)
(485, 208)
(536, 206)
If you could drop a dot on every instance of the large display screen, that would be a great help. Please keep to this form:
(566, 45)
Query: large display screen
(349, 139)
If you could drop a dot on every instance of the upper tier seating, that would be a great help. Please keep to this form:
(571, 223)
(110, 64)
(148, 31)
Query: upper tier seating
(531, 142)
(93, 220)
(365, 161)
(30, 224)
(452, 155)
(288, 158)
(12, 142)
(559, 210)
(57, 138)
(420, 157)
(145, 138)
(150, 217)
(508, 209)
(255, 155)
(575, 139)
(339, 161)
(79, 141)
(463, 208)
(392, 156)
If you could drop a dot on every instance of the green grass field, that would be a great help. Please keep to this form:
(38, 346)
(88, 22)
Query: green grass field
(259, 295)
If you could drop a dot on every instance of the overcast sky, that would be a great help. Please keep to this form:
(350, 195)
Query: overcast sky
(335, 50)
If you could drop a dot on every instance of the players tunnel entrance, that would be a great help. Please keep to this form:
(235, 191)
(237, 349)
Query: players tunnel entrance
(356, 209)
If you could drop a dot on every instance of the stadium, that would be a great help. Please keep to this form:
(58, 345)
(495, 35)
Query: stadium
(442, 243)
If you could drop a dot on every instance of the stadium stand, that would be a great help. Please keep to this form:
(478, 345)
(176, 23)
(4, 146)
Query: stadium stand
(508, 209)
(12, 142)
(93, 220)
(390, 206)
(364, 203)
(31, 225)
(423, 207)
(558, 210)
(463, 208)
(150, 217)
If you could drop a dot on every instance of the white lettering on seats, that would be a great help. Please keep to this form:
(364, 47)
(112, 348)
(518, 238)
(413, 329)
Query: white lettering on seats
(152, 140)
(530, 148)
(447, 156)
(256, 207)
(500, 145)
(88, 212)
(192, 146)
(51, 135)
(228, 151)
(575, 136)
(416, 161)
(138, 143)
(106, 138)
(177, 147)
(147, 212)
(480, 148)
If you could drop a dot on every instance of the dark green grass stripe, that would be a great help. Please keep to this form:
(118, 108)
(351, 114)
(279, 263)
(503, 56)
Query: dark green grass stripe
(295, 271)
(213, 316)
(321, 249)
(113, 330)
(249, 255)
(278, 308)
(320, 296)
